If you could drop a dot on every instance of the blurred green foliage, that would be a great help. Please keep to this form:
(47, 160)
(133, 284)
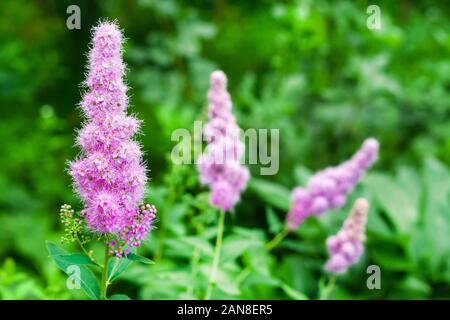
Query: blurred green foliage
(309, 68)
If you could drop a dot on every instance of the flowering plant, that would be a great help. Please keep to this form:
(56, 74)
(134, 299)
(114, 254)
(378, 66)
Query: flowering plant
(220, 166)
(108, 176)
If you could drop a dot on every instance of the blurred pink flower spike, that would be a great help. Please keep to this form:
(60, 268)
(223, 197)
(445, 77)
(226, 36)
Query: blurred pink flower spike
(219, 166)
(346, 247)
(329, 188)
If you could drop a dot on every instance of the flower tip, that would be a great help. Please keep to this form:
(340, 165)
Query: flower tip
(372, 144)
(298, 194)
(107, 25)
(108, 28)
(218, 78)
(362, 204)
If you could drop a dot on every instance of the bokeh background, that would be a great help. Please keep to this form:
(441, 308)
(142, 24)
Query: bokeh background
(311, 69)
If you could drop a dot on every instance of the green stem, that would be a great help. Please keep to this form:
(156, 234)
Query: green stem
(217, 249)
(104, 281)
(269, 247)
(194, 263)
(277, 239)
(86, 252)
(243, 274)
(328, 289)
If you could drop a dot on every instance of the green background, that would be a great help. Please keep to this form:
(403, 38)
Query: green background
(311, 69)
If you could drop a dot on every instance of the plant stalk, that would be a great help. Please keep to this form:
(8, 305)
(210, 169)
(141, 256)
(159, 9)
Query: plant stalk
(213, 277)
(277, 239)
(104, 280)
(86, 252)
(328, 289)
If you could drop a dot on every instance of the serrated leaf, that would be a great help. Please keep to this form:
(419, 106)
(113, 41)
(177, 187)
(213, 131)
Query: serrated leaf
(116, 267)
(137, 258)
(88, 281)
(76, 258)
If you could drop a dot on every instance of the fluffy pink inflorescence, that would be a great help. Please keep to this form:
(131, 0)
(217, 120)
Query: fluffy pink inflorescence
(219, 166)
(329, 188)
(109, 174)
(346, 246)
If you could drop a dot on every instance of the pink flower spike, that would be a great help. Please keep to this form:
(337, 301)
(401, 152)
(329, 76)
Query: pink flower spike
(219, 167)
(329, 188)
(109, 174)
(346, 247)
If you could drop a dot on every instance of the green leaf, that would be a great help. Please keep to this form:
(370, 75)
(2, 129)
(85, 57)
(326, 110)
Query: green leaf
(409, 180)
(76, 258)
(293, 293)
(199, 243)
(389, 260)
(430, 239)
(177, 248)
(175, 214)
(273, 193)
(298, 271)
(88, 281)
(275, 225)
(116, 267)
(137, 258)
(377, 226)
(259, 260)
(263, 279)
(415, 284)
(437, 181)
(394, 200)
(429, 244)
(234, 246)
(119, 297)
(226, 283)
(322, 286)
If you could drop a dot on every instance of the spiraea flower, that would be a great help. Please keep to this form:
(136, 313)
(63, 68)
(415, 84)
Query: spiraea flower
(346, 247)
(329, 188)
(135, 231)
(219, 166)
(109, 174)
